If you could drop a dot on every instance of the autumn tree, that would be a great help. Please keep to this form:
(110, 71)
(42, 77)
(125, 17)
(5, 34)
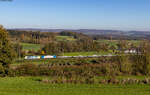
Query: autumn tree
(6, 53)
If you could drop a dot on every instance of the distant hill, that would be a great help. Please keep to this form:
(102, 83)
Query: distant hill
(98, 32)
(142, 34)
(41, 30)
(85, 31)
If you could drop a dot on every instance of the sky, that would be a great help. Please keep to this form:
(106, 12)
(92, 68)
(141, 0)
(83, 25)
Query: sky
(76, 14)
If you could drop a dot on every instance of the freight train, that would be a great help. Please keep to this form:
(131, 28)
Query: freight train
(51, 57)
(39, 57)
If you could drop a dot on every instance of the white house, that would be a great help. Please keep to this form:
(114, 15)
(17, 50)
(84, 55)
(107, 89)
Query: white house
(130, 51)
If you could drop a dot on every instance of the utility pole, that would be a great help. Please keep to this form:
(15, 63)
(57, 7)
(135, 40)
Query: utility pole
(19, 51)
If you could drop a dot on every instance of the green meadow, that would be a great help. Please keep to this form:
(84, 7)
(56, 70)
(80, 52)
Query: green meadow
(28, 46)
(32, 86)
(65, 38)
(87, 53)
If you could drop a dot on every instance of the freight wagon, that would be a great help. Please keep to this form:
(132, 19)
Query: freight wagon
(32, 57)
(47, 57)
(39, 57)
(50, 56)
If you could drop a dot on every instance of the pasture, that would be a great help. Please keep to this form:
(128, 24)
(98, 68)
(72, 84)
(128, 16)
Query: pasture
(115, 42)
(87, 53)
(33, 86)
(65, 38)
(28, 46)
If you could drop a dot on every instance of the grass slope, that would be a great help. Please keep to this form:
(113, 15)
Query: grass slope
(86, 53)
(65, 38)
(115, 42)
(28, 46)
(30, 86)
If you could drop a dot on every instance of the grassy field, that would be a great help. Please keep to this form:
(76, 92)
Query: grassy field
(28, 46)
(31, 86)
(86, 53)
(65, 38)
(115, 42)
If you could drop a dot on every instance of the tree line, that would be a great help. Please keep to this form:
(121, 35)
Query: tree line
(81, 45)
(31, 37)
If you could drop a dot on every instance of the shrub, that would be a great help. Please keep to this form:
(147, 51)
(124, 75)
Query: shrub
(140, 64)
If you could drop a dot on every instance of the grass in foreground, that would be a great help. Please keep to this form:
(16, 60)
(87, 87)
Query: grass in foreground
(30, 86)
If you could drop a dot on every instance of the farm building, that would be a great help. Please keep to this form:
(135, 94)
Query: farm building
(130, 51)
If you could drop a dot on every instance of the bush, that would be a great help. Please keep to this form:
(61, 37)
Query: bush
(140, 64)
(2, 70)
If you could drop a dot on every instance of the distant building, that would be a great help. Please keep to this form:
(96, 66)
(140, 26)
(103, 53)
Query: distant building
(126, 51)
(130, 51)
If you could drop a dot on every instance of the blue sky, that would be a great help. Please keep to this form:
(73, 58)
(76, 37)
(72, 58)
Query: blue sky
(76, 14)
